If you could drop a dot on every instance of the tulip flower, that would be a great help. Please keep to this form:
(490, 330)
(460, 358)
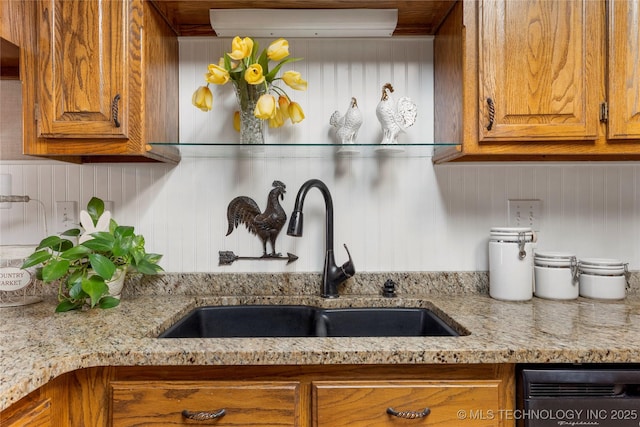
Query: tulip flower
(217, 75)
(265, 107)
(241, 48)
(202, 98)
(294, 80)
(254, 75)
(236, 121)
(277, 120)
(232, 65)
(245, 65)
(278, 50)
(295, 112)
(283, 104)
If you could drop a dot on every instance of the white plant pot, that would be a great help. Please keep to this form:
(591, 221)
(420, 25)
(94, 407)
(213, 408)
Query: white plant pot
(117, 283)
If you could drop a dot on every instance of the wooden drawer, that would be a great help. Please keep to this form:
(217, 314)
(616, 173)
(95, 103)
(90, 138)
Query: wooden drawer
(152, 403)
(365, 403)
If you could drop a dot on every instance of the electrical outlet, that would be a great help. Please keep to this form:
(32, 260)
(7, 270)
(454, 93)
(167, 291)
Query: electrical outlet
(66, 216)
(525, 213)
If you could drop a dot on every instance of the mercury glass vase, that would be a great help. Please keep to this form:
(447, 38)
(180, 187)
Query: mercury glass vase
(251, 127)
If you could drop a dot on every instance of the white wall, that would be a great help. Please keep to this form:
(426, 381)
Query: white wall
(335, 69)
(399, 214)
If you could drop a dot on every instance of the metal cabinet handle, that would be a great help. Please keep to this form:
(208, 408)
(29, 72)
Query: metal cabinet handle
(409, 415)
(203, 415)
(492, 113)
(114, 110)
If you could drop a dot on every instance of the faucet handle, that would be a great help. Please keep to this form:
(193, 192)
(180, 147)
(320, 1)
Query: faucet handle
(348, 268)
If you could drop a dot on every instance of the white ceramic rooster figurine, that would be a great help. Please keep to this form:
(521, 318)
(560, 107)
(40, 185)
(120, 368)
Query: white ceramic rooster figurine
(394, 117)
(347, 125)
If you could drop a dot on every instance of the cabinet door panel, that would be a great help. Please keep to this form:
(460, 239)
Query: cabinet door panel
(161, 403)
(365, 403)
(624, 69)
(539, 62)
(37, 415)
(82, 60)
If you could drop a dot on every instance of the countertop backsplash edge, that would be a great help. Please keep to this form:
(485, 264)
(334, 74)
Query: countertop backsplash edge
(287, 284)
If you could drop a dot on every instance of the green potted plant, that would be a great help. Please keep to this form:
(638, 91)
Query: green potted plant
(104, 254)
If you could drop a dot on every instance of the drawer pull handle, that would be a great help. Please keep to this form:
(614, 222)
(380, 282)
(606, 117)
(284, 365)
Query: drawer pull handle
(203, 415)
(114, 110)
(409, 415)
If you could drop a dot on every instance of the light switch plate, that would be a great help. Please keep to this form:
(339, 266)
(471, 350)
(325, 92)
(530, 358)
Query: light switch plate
(66, 216)
(525, 213)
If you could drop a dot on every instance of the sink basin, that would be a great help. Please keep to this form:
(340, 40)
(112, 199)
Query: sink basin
(383, 322)
(245, 321)
(305, 321)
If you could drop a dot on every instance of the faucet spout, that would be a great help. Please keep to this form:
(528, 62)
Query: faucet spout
(332, 275)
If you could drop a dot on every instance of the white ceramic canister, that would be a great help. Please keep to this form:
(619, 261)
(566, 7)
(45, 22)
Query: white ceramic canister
(603, 278)
(511, 263)
(556, 275)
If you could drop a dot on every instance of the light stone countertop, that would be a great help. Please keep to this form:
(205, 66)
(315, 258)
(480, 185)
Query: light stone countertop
(39, 345)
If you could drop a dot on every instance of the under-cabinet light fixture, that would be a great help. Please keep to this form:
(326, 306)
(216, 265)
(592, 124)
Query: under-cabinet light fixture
(304, 22)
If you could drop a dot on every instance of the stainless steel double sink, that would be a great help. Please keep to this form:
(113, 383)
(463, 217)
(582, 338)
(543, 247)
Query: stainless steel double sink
(307, 321)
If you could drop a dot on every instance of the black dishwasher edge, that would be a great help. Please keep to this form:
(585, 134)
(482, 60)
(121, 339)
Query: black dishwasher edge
(574, 398)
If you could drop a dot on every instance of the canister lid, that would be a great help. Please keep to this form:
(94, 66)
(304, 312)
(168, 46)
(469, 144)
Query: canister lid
(602, 262)
(601, 265)
(554, 259)
(512, 234)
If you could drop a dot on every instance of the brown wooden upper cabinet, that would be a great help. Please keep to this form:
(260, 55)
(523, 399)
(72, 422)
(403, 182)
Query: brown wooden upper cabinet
(106, 82)
(557, 80)
(84, 89)
(624, 69)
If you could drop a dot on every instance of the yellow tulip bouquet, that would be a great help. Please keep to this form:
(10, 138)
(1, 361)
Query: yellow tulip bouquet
(254, 83)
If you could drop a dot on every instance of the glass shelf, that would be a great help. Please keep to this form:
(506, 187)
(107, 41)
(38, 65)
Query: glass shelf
(307, 150)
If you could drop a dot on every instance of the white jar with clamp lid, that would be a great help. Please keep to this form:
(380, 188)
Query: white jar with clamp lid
(556, 275)
(511, 263)
(603, 278)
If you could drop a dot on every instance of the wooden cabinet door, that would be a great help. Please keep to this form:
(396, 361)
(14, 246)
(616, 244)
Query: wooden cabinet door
(446, 403)
(624, 69)
(32, 414)
(161, 403)
(540, 65)
(83, 68)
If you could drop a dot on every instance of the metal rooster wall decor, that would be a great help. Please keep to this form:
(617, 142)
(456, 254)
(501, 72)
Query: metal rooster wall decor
(266, 225)
(394, 117)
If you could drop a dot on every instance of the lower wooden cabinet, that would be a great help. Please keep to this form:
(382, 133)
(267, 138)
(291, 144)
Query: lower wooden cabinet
(28, 412)
(391, 403)
(239, 403)
(315, 396)
(298, 396)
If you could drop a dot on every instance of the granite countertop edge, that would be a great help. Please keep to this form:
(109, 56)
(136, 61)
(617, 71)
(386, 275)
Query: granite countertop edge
(44, 344)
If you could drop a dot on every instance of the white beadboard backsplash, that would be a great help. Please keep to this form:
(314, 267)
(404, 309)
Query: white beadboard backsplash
(336, 70)
(397, 214)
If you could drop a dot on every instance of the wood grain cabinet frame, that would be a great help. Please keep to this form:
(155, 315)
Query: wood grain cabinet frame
(288, 395)
(538, 80)
(83, 65)
(105, 79)
(30, 412)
